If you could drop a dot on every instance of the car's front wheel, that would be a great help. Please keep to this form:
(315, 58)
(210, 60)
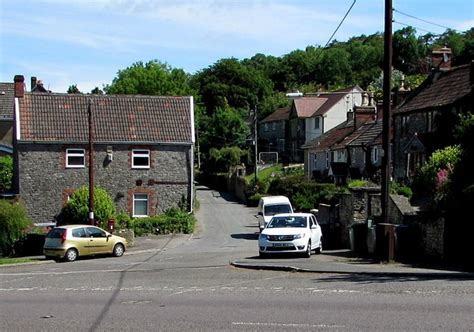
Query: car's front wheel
(119, 249)
(320, 249)
(307, 254)
(71, 255)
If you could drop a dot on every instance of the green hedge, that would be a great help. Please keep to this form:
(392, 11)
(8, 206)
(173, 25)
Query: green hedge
(13, 223)
(172, 222)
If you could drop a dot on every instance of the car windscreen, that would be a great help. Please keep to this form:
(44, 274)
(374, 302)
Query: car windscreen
(56, 233)
(273, 209)
(280, 222)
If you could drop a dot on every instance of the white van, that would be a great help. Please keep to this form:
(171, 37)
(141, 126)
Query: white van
(269, 206)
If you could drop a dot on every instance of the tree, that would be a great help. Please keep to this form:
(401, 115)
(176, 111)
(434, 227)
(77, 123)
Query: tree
(73, 89)
(97, 91)
(76, 210)
(408, 50)
(230, 83)
(152, 78)
(6, 173)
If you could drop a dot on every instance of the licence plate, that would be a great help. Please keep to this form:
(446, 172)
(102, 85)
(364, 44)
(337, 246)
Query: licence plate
(282, 245)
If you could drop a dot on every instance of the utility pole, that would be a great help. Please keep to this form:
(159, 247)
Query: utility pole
(255, 139)
(91, 163)
(387, 112)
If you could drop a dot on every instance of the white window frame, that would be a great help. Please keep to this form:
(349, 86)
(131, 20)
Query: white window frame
(76, 153)
(140, 153)
(135, 199)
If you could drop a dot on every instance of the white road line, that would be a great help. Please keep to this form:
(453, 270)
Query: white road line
(293, 325)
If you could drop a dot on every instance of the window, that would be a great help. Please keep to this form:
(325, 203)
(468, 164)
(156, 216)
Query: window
(140, 205)
(265, 126)
(316, 123)
(79, 232)
(274, 126)
(140, 158)
(315, 163)
(75, 158)
(327, 159)
(375, 155)
(95, 232)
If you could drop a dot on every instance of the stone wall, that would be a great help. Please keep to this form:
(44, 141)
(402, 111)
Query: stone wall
(45, 182)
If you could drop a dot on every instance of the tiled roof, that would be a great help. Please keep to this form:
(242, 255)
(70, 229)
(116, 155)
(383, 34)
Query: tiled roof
(306, 107)
(320, 104)
(331, 137)
(7, 100)
(440, 89)
(117, 118)
(369, 133)
(279, 115)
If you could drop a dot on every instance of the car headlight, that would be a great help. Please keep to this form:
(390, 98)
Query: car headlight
(299, 236)
(263, 236)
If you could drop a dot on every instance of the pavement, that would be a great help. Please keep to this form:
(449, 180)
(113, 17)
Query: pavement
(341, 261)
(330, 261)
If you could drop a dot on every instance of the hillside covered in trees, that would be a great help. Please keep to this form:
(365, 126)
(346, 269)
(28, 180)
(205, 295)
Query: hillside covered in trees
(228, 91)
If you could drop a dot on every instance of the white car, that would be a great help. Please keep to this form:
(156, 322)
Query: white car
(291, 233)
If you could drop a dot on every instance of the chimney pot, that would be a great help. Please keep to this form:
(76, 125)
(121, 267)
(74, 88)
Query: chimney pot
(33, 83)
(19, 86)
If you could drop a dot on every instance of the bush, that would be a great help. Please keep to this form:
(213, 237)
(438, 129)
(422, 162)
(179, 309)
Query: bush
(13, 223)
(123, 221)
(173, 221)
(357, 183)
(6, 173)
(399, 189)
(77, 209)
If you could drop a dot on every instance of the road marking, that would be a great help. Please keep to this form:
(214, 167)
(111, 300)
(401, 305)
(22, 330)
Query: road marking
(294, 325)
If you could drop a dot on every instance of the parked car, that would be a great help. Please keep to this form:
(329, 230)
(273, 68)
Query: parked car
(291, 233)
(71, 241)
(268, 206)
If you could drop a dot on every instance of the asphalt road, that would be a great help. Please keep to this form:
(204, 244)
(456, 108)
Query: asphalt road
(188, 284)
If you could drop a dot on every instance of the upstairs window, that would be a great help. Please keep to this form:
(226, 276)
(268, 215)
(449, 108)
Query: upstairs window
(140, 158)
(316, 123)
(75, 158)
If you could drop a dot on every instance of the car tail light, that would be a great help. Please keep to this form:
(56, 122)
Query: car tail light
(63, 236)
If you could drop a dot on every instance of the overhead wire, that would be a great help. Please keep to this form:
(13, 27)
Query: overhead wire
(422, 20)
(418, 29)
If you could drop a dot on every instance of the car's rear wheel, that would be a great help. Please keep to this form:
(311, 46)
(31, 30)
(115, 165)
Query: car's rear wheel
(307, 254)
(71, 255)
(119, 249)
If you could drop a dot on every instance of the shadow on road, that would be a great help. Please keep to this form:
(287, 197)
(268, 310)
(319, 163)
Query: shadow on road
(377, 278)
(245, 236)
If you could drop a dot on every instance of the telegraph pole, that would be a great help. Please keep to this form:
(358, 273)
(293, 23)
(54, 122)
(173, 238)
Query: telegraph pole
(255, 140)
(91, 163)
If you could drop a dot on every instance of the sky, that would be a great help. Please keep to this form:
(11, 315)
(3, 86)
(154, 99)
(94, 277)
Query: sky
(86, 42)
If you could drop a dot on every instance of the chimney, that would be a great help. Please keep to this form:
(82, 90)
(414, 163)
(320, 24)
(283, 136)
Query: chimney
(350, 116)
(19, 86)
(33, 83)
(441, 58)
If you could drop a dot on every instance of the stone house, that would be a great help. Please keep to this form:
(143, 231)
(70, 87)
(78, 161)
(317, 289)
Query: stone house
(334, 146)
(313, 115)
(7, 99)
(424, 122)
(142, 151)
